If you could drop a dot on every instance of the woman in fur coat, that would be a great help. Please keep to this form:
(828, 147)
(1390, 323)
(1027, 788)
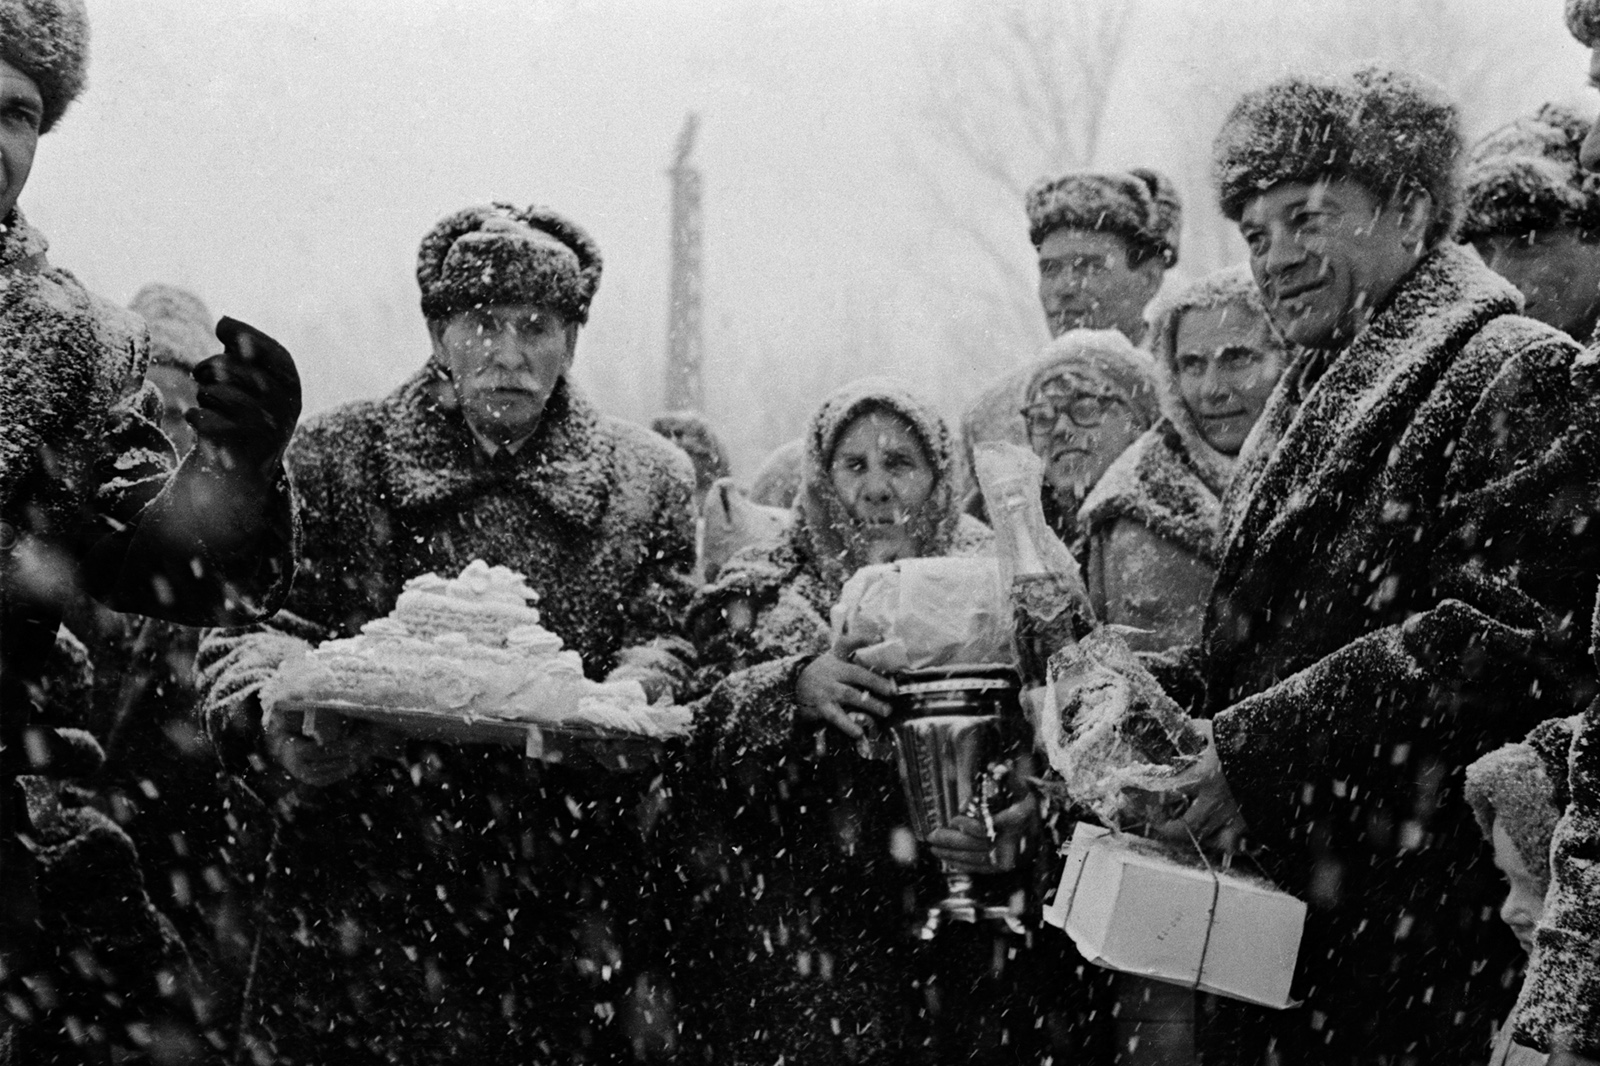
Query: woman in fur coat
(1153, 518)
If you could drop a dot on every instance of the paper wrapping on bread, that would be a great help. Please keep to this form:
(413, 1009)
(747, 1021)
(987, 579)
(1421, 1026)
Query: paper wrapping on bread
(919, 613)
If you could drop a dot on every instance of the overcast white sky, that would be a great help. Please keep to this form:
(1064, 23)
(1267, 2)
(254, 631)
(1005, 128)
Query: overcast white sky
(283, 157)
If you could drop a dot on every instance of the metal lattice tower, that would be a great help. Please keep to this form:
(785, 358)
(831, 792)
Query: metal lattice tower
(685, 390)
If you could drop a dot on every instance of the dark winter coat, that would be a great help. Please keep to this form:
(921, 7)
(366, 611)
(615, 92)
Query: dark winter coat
(81, 455)
(464, 903)
(1152, 522)
(1405, 586)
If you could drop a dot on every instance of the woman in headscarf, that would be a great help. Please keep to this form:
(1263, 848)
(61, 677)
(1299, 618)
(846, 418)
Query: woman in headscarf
(807, 882)
(1153, 519)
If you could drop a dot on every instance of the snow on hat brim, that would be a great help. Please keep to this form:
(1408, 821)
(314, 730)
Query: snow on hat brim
(1526, 176)
(1107, 353)
(1511, 786)
(182, 331)
(48, 40)
(1583, 20)
(1393, 134)
(1141, 206)
(500, 254)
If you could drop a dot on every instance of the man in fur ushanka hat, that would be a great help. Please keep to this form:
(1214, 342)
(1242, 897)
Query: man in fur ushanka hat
(488, 452)
(1406, 568)
(1104, 240)
(1533, 213)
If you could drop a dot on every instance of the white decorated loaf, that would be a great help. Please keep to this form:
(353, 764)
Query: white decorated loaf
(472, 648)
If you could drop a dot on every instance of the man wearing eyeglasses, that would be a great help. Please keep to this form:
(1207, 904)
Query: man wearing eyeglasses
(1090, 397)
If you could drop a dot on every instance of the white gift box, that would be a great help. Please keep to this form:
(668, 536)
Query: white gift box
(1148, 908)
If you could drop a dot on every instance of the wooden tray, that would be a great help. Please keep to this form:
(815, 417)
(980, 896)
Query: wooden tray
(606, 748)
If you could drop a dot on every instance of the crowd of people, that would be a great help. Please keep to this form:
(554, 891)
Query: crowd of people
(1343, 497)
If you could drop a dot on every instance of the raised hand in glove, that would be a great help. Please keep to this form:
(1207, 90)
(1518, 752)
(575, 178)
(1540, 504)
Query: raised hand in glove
(248, 399)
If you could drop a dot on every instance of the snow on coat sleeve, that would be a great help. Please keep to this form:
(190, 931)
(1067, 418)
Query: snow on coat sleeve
(1560, 1001)
(654, 651)
(232, 664)
(1521, 494)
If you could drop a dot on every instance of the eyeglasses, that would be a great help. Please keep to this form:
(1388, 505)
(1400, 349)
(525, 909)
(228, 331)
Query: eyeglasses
(1084, 409)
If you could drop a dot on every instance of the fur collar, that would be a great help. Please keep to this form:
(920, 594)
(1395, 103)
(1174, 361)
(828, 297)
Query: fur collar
(1304, 453)
(430, 459)
(1157, 483)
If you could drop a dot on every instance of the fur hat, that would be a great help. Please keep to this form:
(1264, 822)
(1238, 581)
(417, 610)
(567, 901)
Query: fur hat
(487, 255)
(1392, 133)
(1526, 176)
(1524, 786)
(182, 331)
(48, 40)
(1583, 19)
(1141, 206)
(1108, 353)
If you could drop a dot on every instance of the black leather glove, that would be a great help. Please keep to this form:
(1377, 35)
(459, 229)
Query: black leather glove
(249, 396)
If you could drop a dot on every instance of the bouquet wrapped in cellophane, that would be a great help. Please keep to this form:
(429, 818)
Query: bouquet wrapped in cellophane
(1119, 743)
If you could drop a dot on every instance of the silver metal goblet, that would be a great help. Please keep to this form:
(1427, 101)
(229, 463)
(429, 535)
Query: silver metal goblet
(944, 763)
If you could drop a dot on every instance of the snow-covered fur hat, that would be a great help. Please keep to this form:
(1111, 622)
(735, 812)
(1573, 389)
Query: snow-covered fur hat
(1583, 19)
(1392, 133)
(182, 331)
(1525, 176)
(500, 254)
(1141, 206)
(48, 40)
(1523, 786)
(1106, 352)
(837, 539)
(1221, 288)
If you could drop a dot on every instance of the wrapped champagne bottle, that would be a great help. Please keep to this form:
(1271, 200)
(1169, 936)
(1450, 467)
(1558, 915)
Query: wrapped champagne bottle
(1048, 596)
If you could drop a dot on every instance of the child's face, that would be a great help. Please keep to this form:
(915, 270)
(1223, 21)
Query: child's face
(1524, 904)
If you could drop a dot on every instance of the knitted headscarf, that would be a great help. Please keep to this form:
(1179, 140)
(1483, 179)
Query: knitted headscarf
(1142, 206)
(1391, 133)
(1525, 176)
(500, 254)
(1523, 786)
(48, 40)
(823, 522)
(1229, 286)
(182, 331)
(1105, 353)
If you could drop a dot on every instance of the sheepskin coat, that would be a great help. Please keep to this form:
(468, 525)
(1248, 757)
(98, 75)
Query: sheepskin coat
(463, 903)
(1405, 585)
(1152, 522)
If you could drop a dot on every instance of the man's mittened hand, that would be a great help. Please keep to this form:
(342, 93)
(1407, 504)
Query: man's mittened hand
(248, 399)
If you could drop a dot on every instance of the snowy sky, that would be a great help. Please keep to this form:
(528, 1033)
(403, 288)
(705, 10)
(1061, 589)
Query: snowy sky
(283, 157)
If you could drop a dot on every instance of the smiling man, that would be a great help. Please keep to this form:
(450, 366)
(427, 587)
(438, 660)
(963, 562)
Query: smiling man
(495, 900)
(1406, 577)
